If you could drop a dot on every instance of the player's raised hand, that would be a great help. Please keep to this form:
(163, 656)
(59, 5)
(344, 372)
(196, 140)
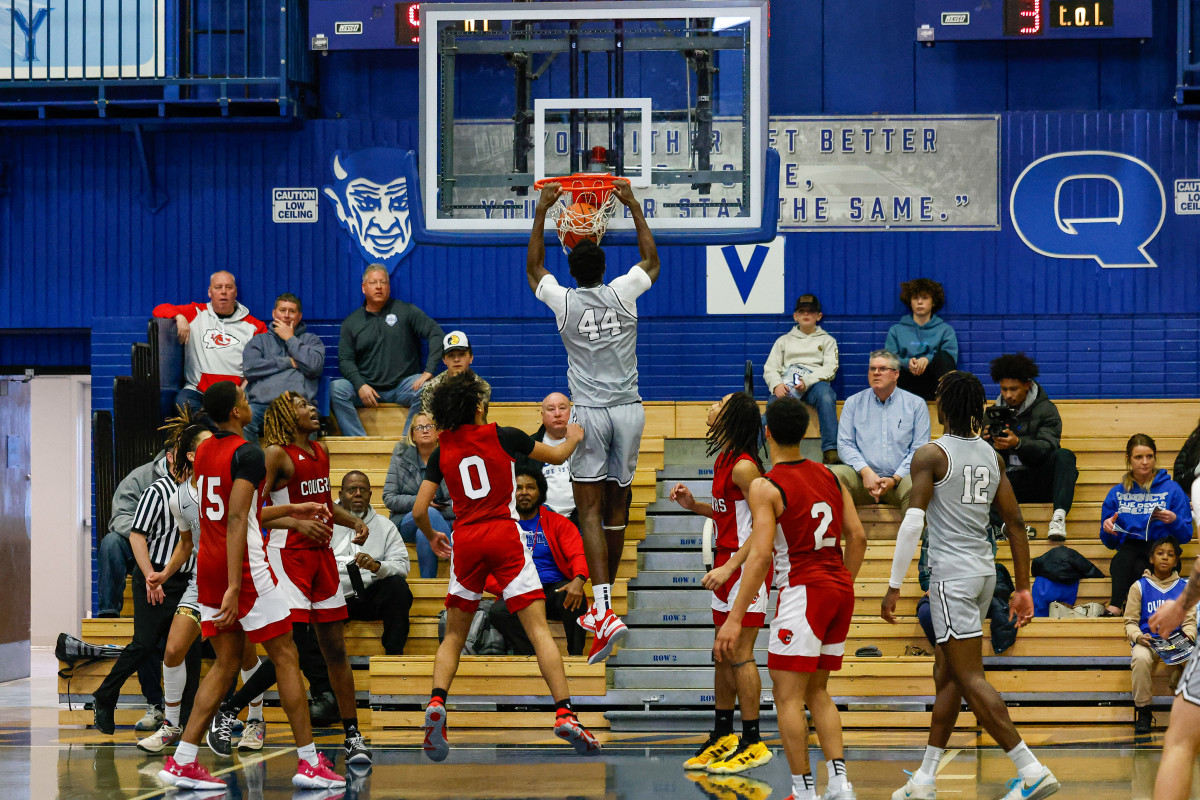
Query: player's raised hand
(683, 495)
(440, 544)
(1020, 607)
(624, 192)
(549, 196)
(726, 641)
(887, 608)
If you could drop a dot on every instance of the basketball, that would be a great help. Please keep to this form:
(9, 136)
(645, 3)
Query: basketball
(577, 216)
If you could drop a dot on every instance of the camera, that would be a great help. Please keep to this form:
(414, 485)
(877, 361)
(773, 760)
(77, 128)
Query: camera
(999, 419)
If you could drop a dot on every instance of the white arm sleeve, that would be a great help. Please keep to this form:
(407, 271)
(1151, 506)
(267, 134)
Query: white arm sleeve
(907, 539)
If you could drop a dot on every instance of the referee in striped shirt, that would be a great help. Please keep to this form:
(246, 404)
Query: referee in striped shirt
(153, 538)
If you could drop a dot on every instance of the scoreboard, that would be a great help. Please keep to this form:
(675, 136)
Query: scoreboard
(1014, 20)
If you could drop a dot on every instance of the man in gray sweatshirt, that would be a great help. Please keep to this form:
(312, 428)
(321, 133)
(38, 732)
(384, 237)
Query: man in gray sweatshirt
(285, 358)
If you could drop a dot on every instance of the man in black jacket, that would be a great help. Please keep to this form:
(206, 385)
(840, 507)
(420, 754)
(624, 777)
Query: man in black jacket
(379, 354)
(1039, 468)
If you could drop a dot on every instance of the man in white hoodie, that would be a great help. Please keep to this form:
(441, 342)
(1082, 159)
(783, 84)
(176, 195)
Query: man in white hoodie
(213, 334)
(802, 363)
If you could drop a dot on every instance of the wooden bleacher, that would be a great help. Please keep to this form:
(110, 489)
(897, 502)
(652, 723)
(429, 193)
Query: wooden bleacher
(1056, 668)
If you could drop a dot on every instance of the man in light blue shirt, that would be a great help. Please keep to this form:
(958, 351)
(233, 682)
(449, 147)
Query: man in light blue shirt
(880, 429)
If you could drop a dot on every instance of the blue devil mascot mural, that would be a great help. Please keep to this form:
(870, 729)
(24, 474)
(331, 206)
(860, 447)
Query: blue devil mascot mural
(370, 195)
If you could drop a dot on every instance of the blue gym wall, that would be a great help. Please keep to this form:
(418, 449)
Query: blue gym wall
(86, 258)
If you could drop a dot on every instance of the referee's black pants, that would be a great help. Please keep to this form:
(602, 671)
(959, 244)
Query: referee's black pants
(151, 624)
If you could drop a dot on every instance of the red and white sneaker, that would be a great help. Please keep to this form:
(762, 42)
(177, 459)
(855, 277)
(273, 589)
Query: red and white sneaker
(188, 776)
(569, 728)
(588, 620)
(609, 631)
(320, 776)
(436, 745)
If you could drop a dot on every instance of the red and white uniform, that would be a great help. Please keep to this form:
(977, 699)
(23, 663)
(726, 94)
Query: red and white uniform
(307, 571)
(816, 593)
(731, 513)
(477, 463)
(263, 612)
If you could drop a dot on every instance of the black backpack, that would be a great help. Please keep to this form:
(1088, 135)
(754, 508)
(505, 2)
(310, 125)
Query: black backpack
(1184, 471)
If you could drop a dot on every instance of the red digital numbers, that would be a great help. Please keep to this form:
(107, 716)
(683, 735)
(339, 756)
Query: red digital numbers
(413, 15)
(1023, 17)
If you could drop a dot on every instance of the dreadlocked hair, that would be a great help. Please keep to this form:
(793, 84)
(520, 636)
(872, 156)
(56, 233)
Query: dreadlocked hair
(737, 429)
(455, 400)
(185, 442)
(279, 422)
(173, 426)
(961, 398)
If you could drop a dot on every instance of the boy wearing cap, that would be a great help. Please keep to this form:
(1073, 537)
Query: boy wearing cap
(457, 356)
(802, 363)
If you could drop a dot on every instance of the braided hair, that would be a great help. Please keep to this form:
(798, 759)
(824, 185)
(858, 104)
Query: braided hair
(737, 429)
(961, 398)
(280, 423)
(186, 443)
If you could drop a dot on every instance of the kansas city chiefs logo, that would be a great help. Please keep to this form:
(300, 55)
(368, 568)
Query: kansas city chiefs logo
(218, 340)
(785, 636)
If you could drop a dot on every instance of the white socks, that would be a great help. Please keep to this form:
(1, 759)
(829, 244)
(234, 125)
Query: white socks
(173, 680)
(254, 710)
(804, 787)
(927, 774)
(603, 597)
(185, 753)
(308, 753)
(1026, 762)
(837, 775)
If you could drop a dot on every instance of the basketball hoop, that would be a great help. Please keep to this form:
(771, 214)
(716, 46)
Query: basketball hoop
(592, 206)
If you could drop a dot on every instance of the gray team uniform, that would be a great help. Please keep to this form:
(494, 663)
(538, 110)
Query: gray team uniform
(962, 564)
(185, 508)
(598, 326)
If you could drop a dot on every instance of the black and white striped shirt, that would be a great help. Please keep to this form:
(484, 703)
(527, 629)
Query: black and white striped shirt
(153, 519)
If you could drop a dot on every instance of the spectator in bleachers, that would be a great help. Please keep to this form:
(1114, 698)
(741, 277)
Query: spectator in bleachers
(926, 346)
(1039, 468)
(880, 430)
(379, 354)
(213, 334)
(114, 560)
(557, 551)
(287, 358)
(405, 473)
(382, 562)
(1145, 506)
(802, 363)
(1159, 583)
(458, 357)
(560, 497)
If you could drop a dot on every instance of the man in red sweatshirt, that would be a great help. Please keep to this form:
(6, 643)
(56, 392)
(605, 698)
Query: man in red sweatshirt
(557, 551)
(213, 335)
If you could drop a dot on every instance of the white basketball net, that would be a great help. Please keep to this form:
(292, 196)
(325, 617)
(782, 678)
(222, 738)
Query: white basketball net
(584, 225)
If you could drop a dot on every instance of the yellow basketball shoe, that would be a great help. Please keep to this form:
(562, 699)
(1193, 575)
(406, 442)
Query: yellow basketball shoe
(747, 756)
(716, 748)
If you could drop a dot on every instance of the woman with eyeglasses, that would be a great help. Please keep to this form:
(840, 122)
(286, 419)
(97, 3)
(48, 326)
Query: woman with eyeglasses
(405, 473)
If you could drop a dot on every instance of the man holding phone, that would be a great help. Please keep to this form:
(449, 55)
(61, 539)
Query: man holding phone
(287, 358)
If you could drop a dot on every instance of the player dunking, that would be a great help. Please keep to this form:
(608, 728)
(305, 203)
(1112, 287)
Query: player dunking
(956, 479)
(237, 593)
(598, 324)
(734, 428)
(477, 462)
(801, 511)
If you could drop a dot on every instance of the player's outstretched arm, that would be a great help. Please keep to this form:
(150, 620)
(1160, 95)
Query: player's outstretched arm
(560, 452)
(765, 505)
(1021, 603)
(645, 239)
(437, 540)
(852, 534)
(927, 463)
(535, 256)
